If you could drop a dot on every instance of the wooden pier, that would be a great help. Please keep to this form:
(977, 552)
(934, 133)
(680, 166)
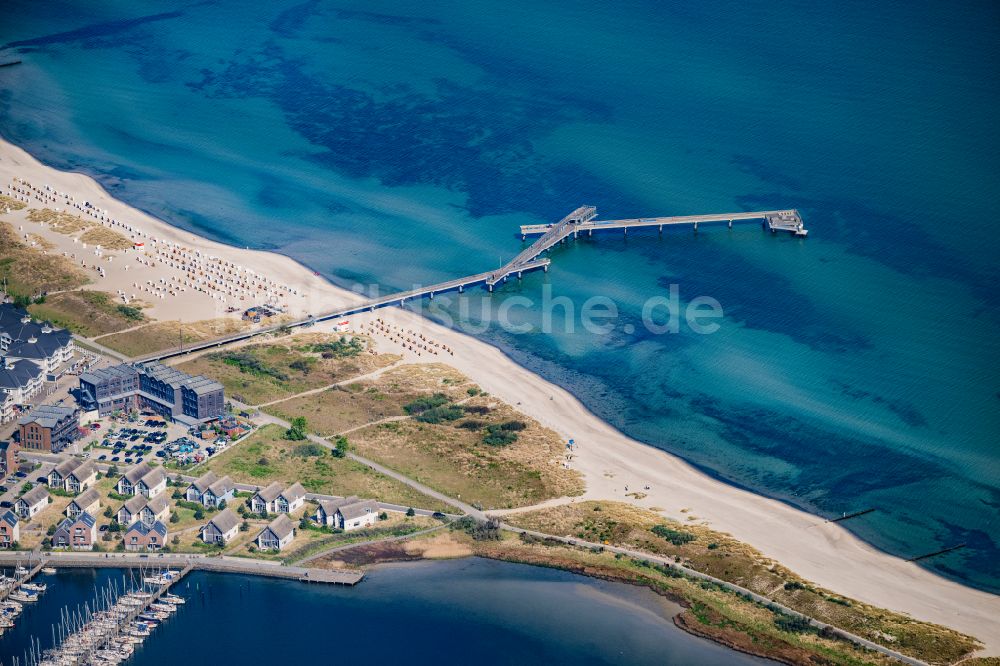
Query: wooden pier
(772, 220)
(580, 220)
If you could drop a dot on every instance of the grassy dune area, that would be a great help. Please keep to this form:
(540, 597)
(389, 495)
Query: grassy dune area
(89, 313)
(352, 405)
(9, 204)
(266, 456)
(163, 335)
(260, 373)
(464, 443)
(723, 557)
(29, 271)
(106, 238)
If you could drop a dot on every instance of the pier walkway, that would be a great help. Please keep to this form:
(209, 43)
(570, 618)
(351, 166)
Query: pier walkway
(581, 219)
(773, 220)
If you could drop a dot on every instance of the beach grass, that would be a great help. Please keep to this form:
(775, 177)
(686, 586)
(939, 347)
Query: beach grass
(260, 373)
(166, 335)
(88, 313)
(9, 204)
(59, 221)
(30, 271)
(719, 555)
(108, 239)
(265, 456)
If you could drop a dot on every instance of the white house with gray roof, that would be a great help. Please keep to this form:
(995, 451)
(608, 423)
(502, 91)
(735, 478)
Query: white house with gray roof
(145, 510)
(326, 511)
(346, 514)
(278, 534)
(265, 499)
(290, 499)
(32, 502)
(142, 479)
(73, 475)
(89, 501)
(222, 528)
(358, 515)
(209, 490)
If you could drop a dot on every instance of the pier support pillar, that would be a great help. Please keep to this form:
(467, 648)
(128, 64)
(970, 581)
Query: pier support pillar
(730, 224)
(625, 229)
(491, 288)
(432, 295)
(519, 275)
(505, 278)
(461, 288)
(590, 232)
(576, 234)
(661, 229)
(545, 268)
(523, 237)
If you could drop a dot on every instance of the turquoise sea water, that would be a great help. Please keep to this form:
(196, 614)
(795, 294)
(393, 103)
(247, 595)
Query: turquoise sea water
(452, 612)
(401, 144)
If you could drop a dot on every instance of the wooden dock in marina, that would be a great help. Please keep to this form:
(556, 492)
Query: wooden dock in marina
(580, 220)
(32, 572)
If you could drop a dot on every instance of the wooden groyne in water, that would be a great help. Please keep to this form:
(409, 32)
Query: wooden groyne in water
(581, 219)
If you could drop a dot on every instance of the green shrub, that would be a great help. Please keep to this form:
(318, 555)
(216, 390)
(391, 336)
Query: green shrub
(342, 348)
(675, 537)
(425, 403)
(130, 312)
(792, 624)
(496, 435)
(439, 414)
(308, 450)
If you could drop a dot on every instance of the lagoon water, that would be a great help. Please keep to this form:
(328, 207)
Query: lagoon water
(400, 144)
(459, 611)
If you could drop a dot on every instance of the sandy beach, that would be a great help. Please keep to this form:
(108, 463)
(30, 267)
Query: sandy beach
(821, 552)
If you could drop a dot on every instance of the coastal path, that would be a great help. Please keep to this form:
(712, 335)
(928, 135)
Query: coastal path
(195, 561)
